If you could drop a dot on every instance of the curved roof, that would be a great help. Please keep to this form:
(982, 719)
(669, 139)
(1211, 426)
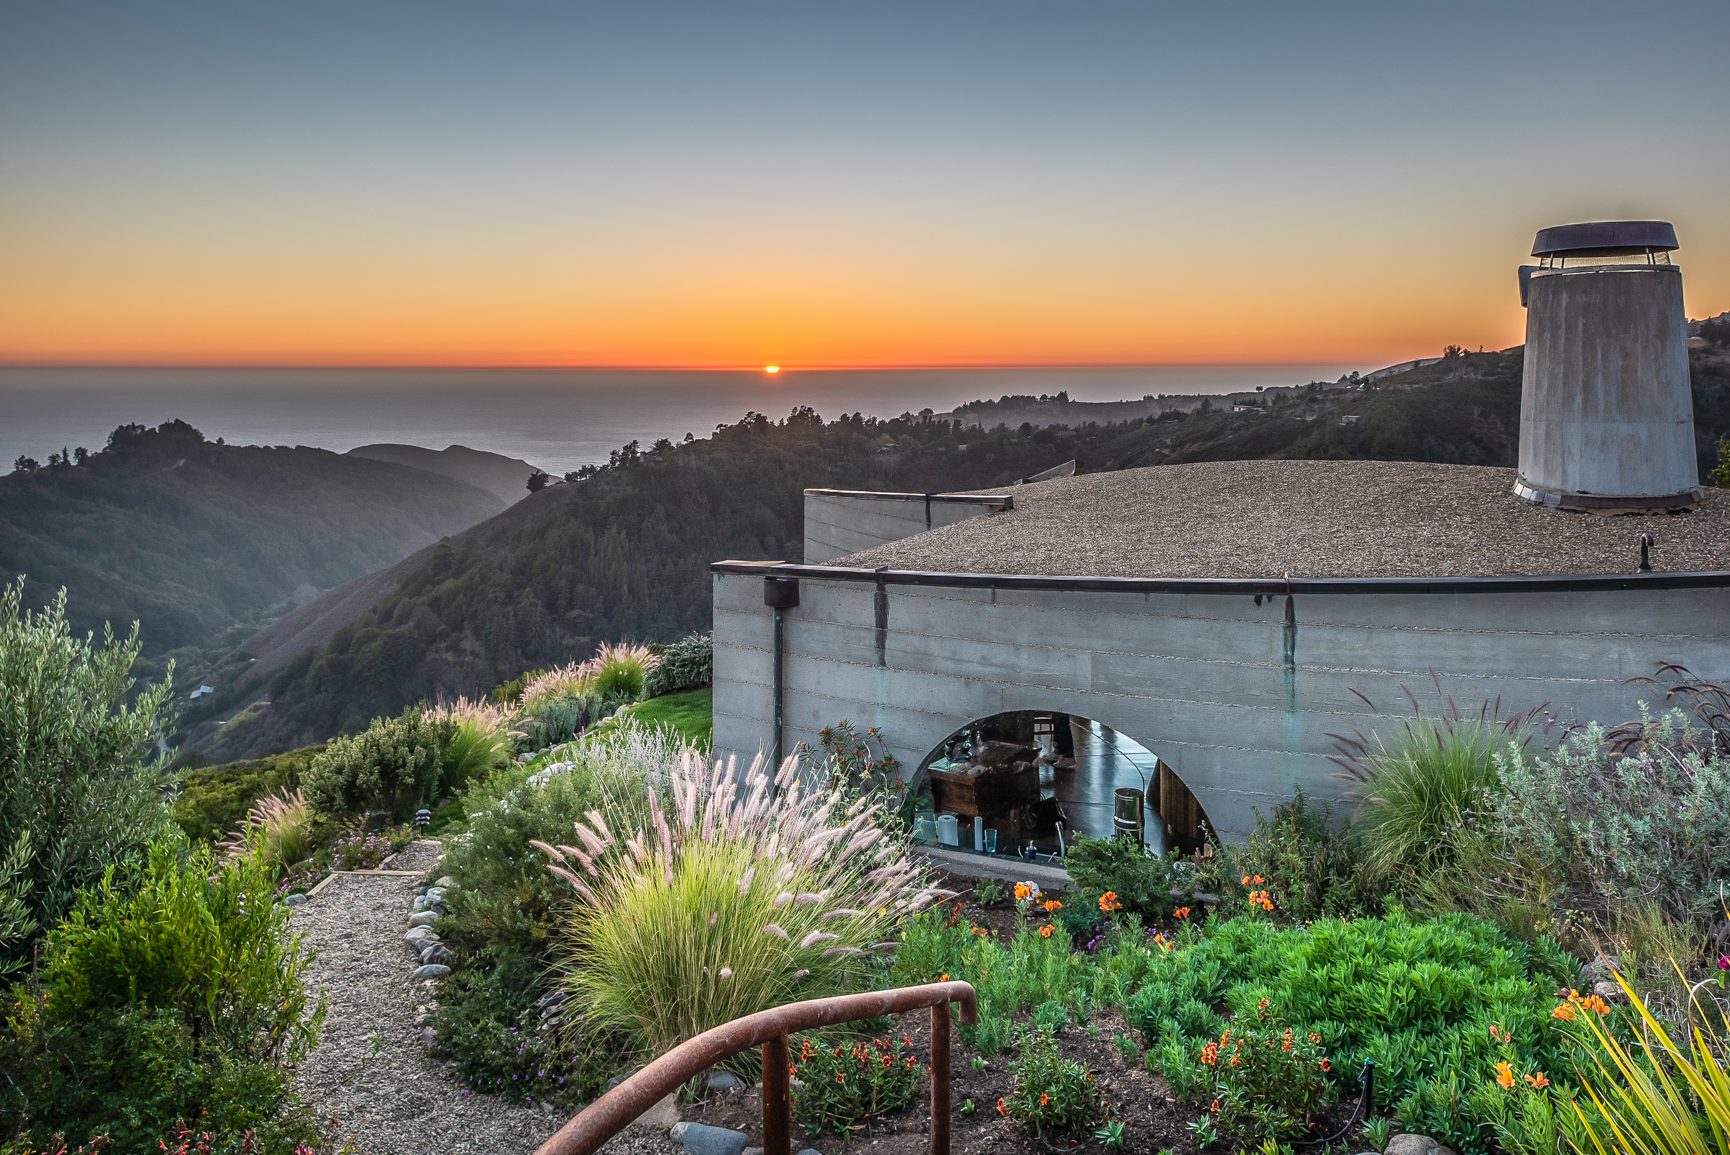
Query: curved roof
(1267, 519)
(1605, 239)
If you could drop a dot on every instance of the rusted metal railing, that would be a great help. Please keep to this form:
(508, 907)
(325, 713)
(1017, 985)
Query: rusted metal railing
(618, 1108)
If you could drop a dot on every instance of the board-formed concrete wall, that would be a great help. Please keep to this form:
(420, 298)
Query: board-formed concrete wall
(843, 521)
(1237, 697)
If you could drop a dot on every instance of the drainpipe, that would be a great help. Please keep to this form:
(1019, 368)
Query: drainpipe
(780, 594)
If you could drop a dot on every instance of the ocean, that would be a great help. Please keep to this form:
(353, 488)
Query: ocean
(557, 419)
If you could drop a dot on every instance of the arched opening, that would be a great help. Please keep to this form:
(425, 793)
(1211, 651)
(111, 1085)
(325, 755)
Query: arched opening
(1028, 782)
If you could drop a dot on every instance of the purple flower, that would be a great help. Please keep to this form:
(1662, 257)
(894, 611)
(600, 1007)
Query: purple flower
(1724, 962)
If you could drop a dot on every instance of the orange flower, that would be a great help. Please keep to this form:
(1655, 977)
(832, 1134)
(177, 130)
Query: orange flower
(1246, 880)
(1108, 902)
(1022, 890)
(1052, 906)
(792, 1071)
(1539, 1082)
(1505, 1076)
(1180, 912)
(944, 979)
(1210, 1054)
(1594, 1003)
(1496, 1033)
(1044, 1100)
(840, 1078)
(1000, 1109)
(1045, 931)
(1258, 880)
(1215, 1107)
(1565, 1012)
(1326, 1066)
(1315, 1038)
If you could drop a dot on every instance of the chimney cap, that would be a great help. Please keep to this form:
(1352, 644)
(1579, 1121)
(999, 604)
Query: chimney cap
(1605, 239)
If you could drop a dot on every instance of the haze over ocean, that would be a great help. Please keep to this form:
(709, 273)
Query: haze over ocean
(558, 419)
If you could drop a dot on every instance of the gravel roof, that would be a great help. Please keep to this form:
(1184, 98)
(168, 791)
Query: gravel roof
(1265, 519)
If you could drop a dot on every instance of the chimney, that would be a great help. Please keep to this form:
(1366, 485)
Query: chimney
(1606, 410)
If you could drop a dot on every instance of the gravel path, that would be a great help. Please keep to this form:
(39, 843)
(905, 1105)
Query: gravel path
(1263, 519)
(370, 1069)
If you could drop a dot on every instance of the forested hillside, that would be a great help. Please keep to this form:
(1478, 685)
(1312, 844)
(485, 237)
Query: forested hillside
(623, 553)
(204, 542)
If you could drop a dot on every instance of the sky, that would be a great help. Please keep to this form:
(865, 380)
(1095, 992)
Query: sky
(830, 185)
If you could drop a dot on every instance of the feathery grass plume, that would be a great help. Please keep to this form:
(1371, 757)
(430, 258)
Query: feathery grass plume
(1422, 792)
(278, 828)
(622, 669)
(479, 744)
(570, 681)
(700, 886)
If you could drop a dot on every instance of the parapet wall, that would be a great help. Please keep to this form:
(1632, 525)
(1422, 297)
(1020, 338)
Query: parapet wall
(1236, 685)
(839, 522)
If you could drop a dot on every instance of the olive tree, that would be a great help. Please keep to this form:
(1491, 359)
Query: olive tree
(75, 797)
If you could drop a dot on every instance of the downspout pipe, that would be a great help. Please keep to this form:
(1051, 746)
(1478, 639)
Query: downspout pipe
(780, 594)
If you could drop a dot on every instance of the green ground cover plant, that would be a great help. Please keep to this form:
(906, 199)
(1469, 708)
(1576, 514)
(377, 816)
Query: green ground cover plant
(1269, 1078)
(690, 713)
(1142, 882)
(1308, 869)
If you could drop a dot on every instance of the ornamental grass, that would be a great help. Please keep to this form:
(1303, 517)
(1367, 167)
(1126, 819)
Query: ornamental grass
(730, 894)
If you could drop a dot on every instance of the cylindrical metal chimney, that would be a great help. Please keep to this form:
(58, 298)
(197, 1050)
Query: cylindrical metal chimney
(1606, 410)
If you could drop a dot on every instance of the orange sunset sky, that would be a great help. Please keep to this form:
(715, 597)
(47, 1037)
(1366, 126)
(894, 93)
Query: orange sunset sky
(891, 185)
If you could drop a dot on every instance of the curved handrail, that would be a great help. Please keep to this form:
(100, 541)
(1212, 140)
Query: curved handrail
(618, 1108)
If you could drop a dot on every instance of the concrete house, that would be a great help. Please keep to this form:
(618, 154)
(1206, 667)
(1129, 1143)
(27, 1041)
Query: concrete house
(1201, 634)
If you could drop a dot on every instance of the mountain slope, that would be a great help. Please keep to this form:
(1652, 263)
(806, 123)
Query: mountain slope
(625, 553)
(504, 477)
(199, 540)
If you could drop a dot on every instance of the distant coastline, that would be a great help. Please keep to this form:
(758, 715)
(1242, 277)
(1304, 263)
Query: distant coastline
(559, 420)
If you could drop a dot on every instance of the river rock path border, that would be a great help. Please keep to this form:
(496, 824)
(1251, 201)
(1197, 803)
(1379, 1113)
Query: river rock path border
(370, 1069)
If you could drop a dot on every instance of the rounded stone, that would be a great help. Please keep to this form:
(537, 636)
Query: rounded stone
(431, 971)
(422, 918)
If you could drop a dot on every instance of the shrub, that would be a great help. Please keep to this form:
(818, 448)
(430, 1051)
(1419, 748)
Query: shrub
(1049, 1090)
(843, 1084)
(74, 796)
(1142, 882)
(360, 851)
(179, 998)
(214, 799)
(1307, 870)
(1269, 1078)
(683, 665)
(393, 766)
(1643, 818)
(746, 894)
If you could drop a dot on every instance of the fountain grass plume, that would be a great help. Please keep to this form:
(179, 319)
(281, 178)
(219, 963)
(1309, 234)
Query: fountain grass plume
(728, 894)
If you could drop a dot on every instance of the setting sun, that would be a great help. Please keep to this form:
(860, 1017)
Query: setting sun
(771, 368)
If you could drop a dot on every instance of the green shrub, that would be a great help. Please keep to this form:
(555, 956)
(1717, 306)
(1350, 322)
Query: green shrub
(843, 1084)
(1142, 882)
(75, 797)
(178, 998)
(213, 800)
(748, 893)
(393, 766)
(508, 1041)
(1270, 1078)
(1049, 1090)
(685, 664)
(1307, 870)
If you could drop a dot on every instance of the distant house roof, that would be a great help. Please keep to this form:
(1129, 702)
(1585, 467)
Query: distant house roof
(201, 691)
